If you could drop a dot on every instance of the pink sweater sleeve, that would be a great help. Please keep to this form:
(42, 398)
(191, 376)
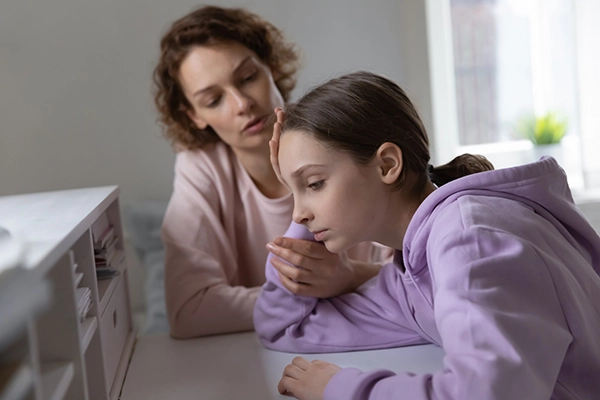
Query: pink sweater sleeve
(203, 292)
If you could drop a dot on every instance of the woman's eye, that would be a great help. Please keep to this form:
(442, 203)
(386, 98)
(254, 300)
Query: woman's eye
(249, 77)
(316, 185)
(214, 102)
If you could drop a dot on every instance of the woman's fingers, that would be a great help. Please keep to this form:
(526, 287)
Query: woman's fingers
(294, 273)
(280, 114)
(299, 289)
(307, 248)
(292, 256)
(274, 143)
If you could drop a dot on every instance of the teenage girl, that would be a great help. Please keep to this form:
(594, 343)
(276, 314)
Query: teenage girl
(499, 267)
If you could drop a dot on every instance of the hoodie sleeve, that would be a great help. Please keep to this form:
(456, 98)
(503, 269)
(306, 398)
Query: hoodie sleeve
(500, 322)
(373, 317)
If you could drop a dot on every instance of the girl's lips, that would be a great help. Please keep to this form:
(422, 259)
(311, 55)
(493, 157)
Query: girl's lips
(320, 235)
(256, 126)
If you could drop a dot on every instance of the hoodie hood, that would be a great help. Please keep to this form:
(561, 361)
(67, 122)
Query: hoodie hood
(541, 185)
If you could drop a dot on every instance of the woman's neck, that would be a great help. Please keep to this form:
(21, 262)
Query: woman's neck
(258, 166)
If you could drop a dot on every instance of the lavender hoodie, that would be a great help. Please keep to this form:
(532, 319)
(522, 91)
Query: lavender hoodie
(501, 270)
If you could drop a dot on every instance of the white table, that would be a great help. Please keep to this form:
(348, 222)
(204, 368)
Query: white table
(237, 366)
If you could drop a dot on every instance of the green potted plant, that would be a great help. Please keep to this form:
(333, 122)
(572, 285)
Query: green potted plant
(545, 132)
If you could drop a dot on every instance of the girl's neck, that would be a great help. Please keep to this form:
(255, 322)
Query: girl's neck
(258, 166)
(402, 211)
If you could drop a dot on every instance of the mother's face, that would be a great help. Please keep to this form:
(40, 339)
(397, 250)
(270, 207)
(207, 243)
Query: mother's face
(232, 91)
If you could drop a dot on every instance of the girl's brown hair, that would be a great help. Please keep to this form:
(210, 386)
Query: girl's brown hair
(360, 111)
(212, 25)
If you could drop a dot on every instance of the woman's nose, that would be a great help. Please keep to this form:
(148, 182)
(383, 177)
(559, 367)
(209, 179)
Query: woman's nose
(242, 101)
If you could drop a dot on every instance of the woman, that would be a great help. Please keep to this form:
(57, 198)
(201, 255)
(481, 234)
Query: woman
(220, 75)
(499, 268)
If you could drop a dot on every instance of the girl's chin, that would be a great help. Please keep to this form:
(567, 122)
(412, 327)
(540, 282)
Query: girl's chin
(335, 248)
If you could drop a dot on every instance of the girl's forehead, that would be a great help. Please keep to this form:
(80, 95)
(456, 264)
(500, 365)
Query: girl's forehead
(295, 139)
(299, 148)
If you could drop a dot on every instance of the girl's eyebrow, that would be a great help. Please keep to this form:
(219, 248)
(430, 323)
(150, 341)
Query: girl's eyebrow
(304, 169)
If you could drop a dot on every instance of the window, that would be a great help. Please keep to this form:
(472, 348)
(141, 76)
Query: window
(512, 58)
(518, 58)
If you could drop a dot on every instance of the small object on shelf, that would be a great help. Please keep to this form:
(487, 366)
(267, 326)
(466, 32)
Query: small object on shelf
(83, 300)
(106, 237)
(106, 272)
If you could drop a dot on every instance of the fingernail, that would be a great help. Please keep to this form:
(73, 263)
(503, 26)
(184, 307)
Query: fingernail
(270, 246)
(278, 241)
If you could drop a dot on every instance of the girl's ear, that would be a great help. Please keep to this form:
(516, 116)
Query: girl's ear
(199, 122)
(388, 160)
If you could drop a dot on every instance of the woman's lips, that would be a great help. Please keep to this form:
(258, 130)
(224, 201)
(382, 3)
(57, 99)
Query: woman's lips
(320, 235)
(255, 126)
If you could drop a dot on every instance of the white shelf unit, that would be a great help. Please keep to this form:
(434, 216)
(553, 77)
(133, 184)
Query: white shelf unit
(61, 354)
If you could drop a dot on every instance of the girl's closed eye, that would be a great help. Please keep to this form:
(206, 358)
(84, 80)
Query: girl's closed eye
(316, 185)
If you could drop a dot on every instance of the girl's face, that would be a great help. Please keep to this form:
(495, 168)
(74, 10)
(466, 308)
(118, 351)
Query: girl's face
(341, 202)
(232, 91)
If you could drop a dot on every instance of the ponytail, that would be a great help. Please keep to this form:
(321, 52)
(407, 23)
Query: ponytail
(460, 166)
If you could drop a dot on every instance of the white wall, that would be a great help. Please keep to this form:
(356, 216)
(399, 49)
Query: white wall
(75, 80)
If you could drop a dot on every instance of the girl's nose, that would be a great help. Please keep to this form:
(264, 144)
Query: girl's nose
(301, 215)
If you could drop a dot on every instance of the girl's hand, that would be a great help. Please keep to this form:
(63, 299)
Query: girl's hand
(321, 274)
(274, 143)
(306, 380)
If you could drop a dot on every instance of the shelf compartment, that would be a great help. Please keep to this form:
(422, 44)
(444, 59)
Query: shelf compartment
(56, 378)
(106, 287)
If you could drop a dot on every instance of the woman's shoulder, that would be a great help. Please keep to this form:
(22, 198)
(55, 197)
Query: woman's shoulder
(215, 160)
(212, 154)
(207, 168)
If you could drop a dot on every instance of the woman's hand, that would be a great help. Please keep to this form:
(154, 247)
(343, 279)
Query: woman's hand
(274, 143)
(306, 380)
(321, 274)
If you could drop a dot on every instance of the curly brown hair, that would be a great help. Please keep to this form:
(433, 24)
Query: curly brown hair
(210, 25)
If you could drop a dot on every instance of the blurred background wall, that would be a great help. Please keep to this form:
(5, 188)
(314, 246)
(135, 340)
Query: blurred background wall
(76, 107)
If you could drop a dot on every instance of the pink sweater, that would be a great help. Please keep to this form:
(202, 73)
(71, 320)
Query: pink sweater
(214, 232)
